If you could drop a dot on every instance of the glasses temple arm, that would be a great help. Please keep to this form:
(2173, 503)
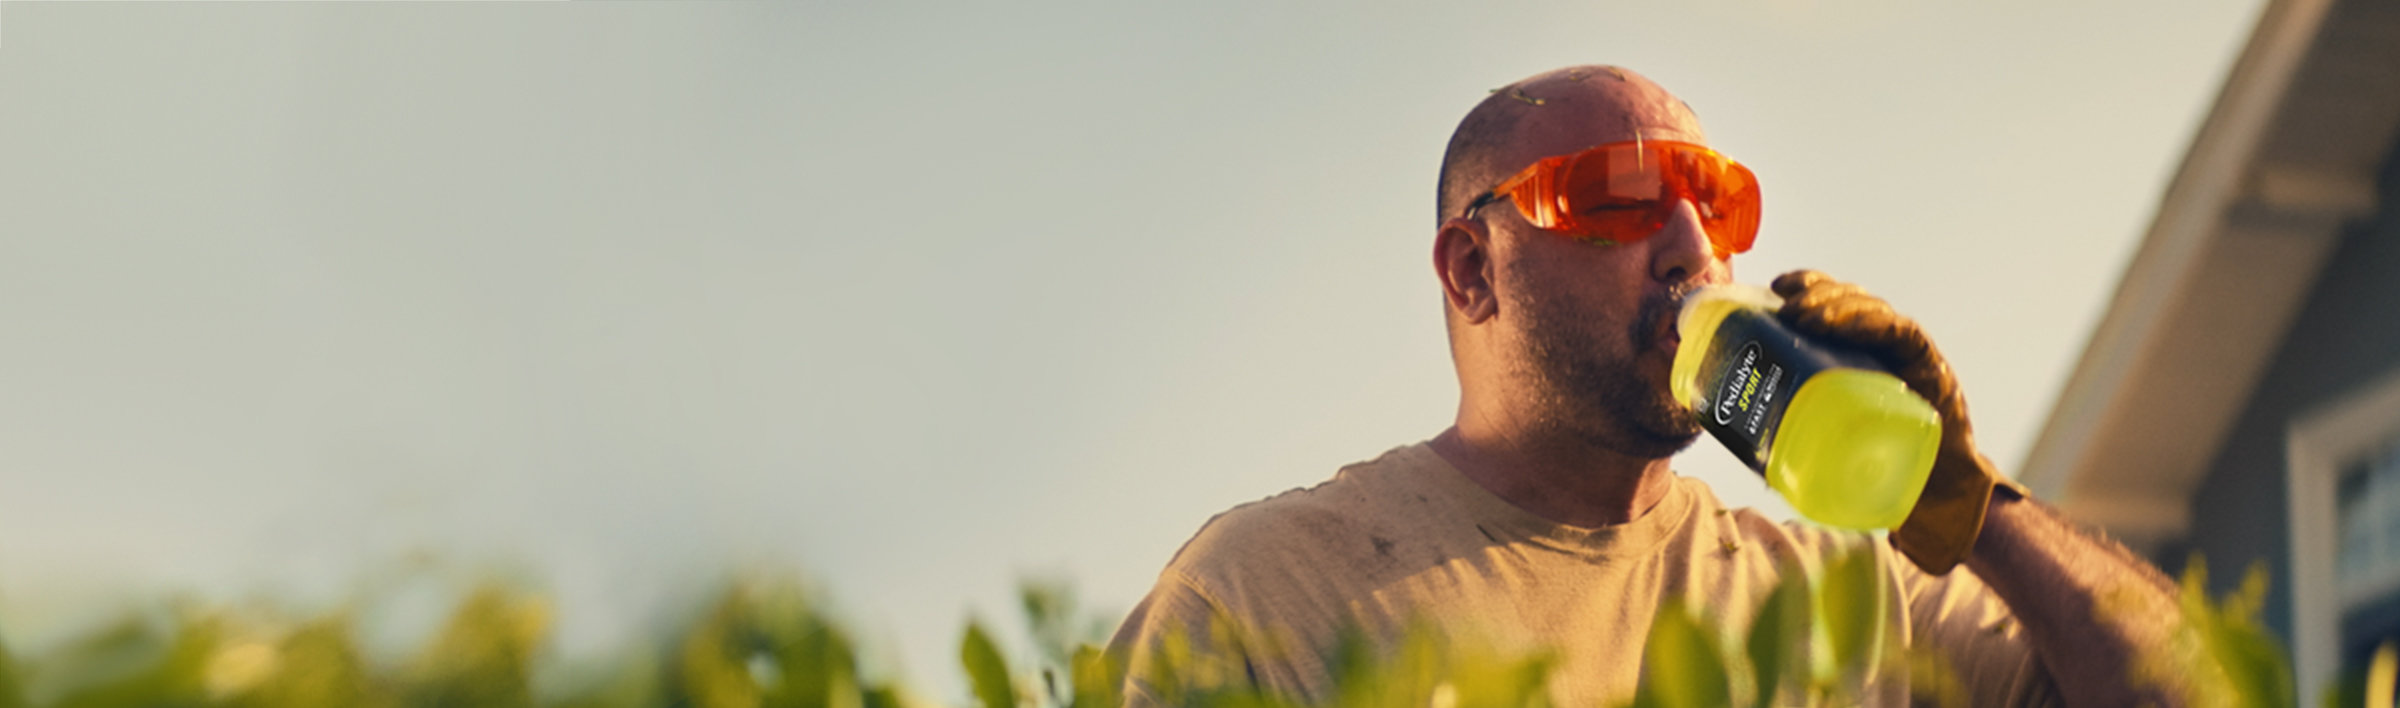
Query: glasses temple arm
(1479, 203)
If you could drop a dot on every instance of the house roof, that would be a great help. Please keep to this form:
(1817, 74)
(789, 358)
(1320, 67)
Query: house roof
(2288, 155)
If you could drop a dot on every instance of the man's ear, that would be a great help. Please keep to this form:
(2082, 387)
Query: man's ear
(1462, 257)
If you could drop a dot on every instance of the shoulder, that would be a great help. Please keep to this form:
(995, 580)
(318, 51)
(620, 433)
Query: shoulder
(1346, 526)
(1311, 519)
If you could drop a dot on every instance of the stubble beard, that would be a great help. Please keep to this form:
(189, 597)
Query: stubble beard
(1590, 394)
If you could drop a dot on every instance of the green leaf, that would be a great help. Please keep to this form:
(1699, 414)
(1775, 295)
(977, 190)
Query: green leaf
(986, 669)
(882, 697)
(484, 656)
(1099, 679)
(1681, 664)
(1851, 607)
(1779, 634)
(818, 667)
(1049, 606)
(175, 677)
(2229, 631)
(1493, 681)
(12, 688)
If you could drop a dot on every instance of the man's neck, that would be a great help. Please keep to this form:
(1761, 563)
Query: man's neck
(1568, 482)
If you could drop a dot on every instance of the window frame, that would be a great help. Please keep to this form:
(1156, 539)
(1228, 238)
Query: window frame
(2320, 444)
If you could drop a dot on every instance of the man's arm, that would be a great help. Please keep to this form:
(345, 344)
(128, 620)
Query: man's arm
(2089, 606)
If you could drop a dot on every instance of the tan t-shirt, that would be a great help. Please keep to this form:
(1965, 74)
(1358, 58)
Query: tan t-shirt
(1407, 537)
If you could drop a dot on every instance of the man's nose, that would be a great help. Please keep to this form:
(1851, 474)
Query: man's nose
(1681, 251)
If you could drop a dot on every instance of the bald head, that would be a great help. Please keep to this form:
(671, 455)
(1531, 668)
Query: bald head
(1553, 113)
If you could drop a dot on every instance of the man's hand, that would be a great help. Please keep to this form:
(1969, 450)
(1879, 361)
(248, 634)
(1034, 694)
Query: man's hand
(1941, 530)
(2052, 575)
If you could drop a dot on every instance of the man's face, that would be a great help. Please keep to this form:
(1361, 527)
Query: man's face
(1599, 351)
(1590, 325)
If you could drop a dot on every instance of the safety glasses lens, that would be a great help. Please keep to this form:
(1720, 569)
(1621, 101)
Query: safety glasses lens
(1625, 192)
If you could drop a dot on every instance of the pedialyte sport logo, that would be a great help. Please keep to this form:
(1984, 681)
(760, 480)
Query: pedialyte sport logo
(1737, 390)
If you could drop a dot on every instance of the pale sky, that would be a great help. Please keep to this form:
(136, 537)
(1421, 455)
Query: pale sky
(913, 297)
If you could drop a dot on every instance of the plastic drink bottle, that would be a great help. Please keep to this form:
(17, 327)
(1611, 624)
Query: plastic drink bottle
(1844, 442)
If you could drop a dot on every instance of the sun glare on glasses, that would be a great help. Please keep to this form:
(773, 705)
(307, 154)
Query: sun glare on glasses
(1624, 192)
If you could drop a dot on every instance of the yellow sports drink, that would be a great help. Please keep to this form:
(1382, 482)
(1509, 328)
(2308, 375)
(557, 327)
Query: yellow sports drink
(1845, 443)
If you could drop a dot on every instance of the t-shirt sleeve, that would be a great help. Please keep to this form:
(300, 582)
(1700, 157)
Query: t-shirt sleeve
(1977, 639)
(1174, 641)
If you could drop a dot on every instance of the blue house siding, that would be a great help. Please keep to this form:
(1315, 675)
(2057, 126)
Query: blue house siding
(2346, 334)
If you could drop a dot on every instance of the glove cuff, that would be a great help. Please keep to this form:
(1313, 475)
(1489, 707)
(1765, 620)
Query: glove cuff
(1942, 529)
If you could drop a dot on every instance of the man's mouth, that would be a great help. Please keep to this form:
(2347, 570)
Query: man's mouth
(1660, 313)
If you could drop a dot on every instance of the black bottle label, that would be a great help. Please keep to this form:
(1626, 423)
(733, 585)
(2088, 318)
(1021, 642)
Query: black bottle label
(1757, 365)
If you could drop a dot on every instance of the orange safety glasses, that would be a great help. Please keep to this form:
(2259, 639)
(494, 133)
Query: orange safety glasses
(1624, 192)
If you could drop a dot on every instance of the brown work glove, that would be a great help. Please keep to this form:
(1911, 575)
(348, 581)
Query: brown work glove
(1941, 530)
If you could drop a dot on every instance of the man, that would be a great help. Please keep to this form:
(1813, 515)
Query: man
(1547, 516)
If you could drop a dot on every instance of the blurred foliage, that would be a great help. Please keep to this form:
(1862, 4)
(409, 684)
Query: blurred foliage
(1816, 639)
(2382, 671)
(2221, 652)
(2239, 652)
